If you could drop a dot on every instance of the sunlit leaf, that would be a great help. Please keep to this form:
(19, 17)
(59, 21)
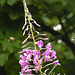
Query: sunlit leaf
(2, 2)
(14, 15)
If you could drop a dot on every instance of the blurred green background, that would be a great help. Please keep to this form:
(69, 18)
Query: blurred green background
(57, 19)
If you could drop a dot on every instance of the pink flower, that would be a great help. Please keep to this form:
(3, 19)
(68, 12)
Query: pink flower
(28, 71)
(29, 55)
(40, 61)
(22, 57)
(35, 62)
(56, 62)
(23, 63)
(41, 66)
(54, 57)
(36, 55)
(40, 44)
(48, 46)
(53, 53)
(46, 55)
(28, 52)
(37, 68)
(22, 70)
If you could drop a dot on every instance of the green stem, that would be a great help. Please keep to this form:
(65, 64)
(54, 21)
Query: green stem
(25, 10)
(32, 34)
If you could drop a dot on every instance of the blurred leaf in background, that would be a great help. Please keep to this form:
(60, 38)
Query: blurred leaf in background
(57, 19)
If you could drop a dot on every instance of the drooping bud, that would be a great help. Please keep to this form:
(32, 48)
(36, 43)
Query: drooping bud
(27, 44)
(26, 39)
(42, 38)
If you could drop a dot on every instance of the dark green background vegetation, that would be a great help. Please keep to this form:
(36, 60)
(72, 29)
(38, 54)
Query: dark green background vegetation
(49, 14)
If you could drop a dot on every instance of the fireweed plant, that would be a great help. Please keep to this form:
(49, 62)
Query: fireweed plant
(32, 58)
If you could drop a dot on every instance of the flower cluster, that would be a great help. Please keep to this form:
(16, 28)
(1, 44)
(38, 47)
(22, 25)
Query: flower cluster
(31, 55)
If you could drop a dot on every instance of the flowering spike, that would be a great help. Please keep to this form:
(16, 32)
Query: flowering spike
(31, 58)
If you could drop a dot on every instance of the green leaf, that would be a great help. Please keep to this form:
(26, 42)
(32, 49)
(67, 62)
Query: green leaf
(7, 46)
(11, 2)
(14, 15)
(2, 2)
(69, 53)
(3, 58)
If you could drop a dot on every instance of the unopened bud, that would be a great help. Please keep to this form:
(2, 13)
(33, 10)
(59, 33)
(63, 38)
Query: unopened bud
(43, 34)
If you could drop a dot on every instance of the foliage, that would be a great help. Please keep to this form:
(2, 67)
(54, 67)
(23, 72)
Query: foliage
(48, 13)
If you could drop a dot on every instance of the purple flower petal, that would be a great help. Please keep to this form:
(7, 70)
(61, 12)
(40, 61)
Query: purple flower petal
(56, 62)
(48, 46)
(40, 44)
